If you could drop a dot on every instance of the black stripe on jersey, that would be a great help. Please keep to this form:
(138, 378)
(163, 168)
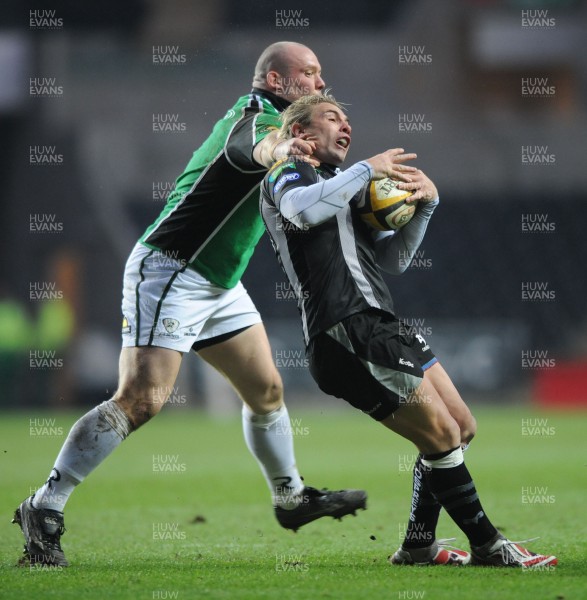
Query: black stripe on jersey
(257, 108)
(185, 196)
(202, 211)
(199, 214)
(221, 223)
(235, 132)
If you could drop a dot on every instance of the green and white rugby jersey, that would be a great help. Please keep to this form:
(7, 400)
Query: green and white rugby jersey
(211, 219)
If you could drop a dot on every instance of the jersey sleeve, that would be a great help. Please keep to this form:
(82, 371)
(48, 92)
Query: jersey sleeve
(264, 124)
(288, 174)
(245, 135)
(308, 200)
(394, 253)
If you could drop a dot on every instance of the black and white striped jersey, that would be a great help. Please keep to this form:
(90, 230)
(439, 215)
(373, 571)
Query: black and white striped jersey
(327, 252)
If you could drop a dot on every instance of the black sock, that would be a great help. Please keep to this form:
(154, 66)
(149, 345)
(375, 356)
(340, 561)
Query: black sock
(451, 484)
(421, 529)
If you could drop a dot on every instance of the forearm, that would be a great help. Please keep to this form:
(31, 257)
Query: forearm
(312, 205)
(395, 252)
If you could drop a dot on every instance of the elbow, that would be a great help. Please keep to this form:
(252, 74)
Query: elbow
(304, 220)
(402, 263)
(299, 222)
(394, 268)
(393, 263)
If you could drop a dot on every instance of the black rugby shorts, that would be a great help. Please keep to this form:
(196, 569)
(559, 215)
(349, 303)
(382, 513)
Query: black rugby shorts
(371, 360)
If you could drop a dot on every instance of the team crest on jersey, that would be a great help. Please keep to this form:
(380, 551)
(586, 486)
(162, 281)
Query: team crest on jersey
(125, 325)
(170, 325)
(265, 129)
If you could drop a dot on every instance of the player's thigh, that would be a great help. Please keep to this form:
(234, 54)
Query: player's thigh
(246, 361)
(442, 383)
(146, 378)
(435, 374)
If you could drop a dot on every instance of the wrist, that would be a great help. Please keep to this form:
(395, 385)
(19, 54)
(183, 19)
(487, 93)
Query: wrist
(273, 156)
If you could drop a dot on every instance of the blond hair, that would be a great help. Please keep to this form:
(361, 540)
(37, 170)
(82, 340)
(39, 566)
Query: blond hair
(300, 112)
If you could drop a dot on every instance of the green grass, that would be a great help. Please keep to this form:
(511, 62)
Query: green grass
(239, 551)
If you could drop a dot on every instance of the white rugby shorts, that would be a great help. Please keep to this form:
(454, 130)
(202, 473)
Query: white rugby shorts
(169, 305)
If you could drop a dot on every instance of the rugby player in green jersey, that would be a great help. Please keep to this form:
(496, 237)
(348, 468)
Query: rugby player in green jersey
(182, 292)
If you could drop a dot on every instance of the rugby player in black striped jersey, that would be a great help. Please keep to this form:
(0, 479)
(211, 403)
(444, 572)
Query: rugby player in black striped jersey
(357, 348)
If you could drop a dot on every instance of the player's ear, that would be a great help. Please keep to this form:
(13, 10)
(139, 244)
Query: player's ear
(273, 79)
(297, 130)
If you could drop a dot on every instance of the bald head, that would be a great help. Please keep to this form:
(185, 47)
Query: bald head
(276, 57)
(288, 69)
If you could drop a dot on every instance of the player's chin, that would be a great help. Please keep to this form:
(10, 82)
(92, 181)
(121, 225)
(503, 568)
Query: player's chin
(340, 153)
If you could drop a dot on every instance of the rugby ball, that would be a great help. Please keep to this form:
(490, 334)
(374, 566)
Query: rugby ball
(383, 206)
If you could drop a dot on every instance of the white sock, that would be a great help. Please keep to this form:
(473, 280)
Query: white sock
(91, 439)
(270, 440)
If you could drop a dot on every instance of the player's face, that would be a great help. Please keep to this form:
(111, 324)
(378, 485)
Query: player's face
(303, 75)
(330, 130)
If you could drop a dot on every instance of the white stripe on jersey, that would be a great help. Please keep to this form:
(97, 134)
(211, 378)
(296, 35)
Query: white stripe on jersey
(349, 251)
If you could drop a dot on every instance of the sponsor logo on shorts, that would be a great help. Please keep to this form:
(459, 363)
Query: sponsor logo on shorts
(407, 363)
(422, 341)
(170, 325)
(125, 326)
(285, 179)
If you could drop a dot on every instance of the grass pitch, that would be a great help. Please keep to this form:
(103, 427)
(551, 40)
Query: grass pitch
(181, 510)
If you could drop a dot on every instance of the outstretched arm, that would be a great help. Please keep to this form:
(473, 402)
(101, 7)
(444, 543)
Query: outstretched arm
(394, 251)
(311, 205)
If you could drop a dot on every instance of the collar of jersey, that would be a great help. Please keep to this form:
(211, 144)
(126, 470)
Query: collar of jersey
(330, 170)
(280, 103)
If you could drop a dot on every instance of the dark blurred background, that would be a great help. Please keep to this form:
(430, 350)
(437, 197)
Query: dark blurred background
(492, 95)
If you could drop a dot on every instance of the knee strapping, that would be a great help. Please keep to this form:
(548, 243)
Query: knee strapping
(263, 421)
(116, 418)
